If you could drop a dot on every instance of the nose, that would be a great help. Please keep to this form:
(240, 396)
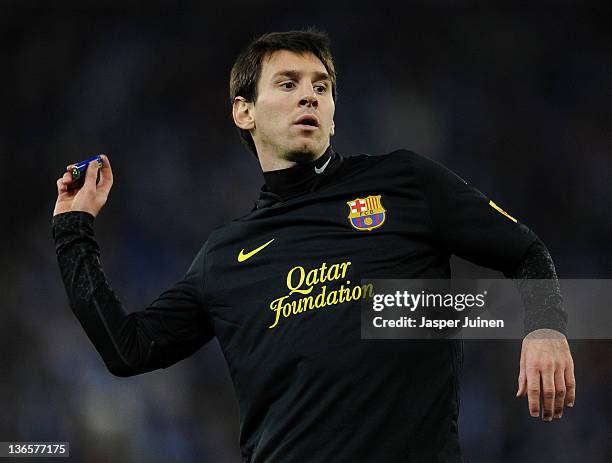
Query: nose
(309, 100)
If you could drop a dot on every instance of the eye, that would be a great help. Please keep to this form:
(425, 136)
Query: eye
(288, 85)
(320, 88)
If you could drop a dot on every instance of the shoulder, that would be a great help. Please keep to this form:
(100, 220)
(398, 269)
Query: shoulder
(398, 156)
(424, 167)
(219, 235)
(405, 167)
(400, 161)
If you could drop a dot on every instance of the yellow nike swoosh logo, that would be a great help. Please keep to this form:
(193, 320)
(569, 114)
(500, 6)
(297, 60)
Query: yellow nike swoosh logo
(242, 256)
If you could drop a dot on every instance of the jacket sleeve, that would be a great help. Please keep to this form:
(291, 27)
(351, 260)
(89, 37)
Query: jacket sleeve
(538, 285)
(467, 223)
(173, 327)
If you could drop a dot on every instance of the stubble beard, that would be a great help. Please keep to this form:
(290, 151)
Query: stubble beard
(301, 155)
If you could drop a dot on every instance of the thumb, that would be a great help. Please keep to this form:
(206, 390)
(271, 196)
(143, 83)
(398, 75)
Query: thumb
(91, 175)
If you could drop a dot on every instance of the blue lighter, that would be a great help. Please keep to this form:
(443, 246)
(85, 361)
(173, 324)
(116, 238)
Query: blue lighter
(78, 171)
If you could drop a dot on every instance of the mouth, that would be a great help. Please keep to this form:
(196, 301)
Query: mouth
(308, 122)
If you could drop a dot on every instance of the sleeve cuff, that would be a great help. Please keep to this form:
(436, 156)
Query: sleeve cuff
(71, 222)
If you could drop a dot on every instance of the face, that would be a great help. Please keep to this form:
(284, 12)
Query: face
(292, 118)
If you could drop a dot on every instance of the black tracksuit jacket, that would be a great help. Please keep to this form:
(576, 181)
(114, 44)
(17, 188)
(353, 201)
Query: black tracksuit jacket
(308, 388)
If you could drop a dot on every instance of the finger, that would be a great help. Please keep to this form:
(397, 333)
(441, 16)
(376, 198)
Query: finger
(66, 178)
(548, 393)
(522, 383)
(522, 378)
(560, 392)
(61, 186)
(533, 391)
(106, 174)
(90, 175)
(570, 386)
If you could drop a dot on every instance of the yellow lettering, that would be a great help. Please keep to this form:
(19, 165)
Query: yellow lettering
(344, 266)
(332, 273)
(287, 308)
(296, 288)
(311, 278)
(332, 298)
(368, 290)
(276, 306)
(302, 281)
(304, 302)
(320, 299)
(296, 307)
(342, 299)
(322, 268)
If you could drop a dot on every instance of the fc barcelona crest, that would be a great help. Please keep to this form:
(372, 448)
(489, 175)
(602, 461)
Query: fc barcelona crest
(366, 213)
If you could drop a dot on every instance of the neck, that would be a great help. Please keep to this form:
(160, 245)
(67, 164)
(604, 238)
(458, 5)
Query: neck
(298, 179)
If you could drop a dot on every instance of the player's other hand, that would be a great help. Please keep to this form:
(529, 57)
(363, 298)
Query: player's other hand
(90, 197)
(546, 372)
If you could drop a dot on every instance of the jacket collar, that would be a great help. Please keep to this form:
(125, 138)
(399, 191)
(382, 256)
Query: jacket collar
(298, 180)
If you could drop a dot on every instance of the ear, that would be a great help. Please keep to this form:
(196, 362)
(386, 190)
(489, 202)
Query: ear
(242, 111)
(333, 126)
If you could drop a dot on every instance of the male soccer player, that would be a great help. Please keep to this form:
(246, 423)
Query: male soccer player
(280, 287)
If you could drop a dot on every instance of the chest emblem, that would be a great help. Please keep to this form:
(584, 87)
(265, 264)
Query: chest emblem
(366, 213)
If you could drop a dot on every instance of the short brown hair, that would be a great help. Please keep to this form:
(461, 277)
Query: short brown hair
(247, 67)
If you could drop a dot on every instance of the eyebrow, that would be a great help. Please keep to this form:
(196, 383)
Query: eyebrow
(295, 75)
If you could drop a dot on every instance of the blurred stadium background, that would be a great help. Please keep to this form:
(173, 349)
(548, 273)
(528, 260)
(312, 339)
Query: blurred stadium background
(515, 100)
